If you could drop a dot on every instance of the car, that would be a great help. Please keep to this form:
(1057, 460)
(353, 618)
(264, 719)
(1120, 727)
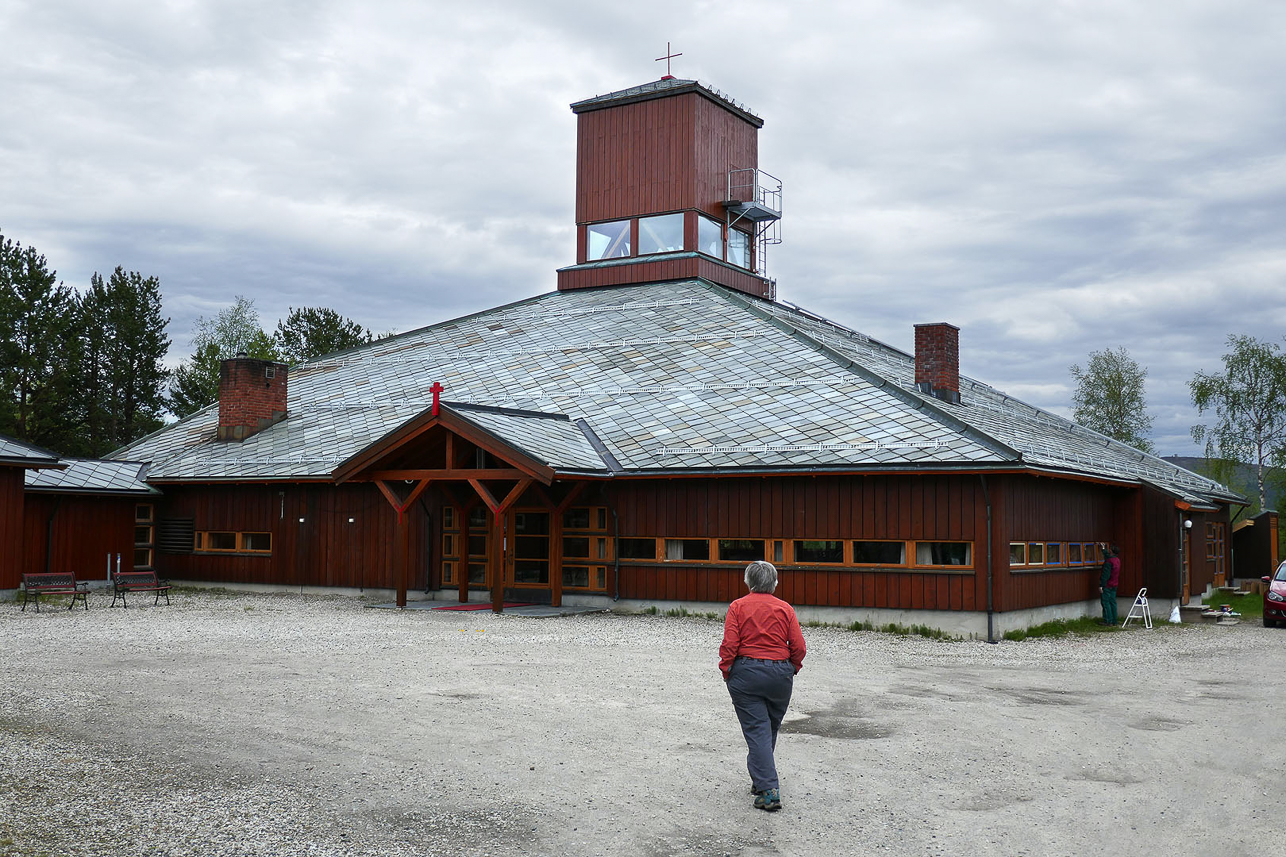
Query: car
(1275, 598)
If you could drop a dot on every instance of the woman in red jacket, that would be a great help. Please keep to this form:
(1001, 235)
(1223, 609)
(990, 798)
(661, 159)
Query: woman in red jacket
(762, 650)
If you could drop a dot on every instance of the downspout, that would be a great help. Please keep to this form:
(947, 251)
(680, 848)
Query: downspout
(991, 612)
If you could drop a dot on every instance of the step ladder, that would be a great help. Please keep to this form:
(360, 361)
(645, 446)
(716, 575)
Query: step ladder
(1140, 609)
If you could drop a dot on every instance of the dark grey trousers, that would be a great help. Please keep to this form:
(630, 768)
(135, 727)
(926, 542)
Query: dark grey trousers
(760, 692)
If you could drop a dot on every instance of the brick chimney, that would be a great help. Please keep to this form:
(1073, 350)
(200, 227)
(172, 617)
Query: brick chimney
(937, 360)
(252, 396)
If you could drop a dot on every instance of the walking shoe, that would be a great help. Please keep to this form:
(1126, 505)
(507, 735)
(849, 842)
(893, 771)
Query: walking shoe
(769, 800)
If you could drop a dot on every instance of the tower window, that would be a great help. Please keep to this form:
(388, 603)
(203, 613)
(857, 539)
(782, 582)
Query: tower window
(609, 240)
(661, 234)
(739, 248)
(710, 236)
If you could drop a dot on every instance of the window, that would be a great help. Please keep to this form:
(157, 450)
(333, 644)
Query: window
(741, 550)
(144, 535)
(819, 551)
(692, 549)
(1017, 553)
(585, 576)
(710, 236)
(609, 240)
(256, 542)
(661, 234)
(1073, 553)
(585, 518)
(944, 553)
(583, 545)
(636, 549)
(452, 542)
(879, 553)
(1053, 553)
(576, 576)
(576, 547)
(1035, 553)
(738, 248)
(216, 541)
(221, 541)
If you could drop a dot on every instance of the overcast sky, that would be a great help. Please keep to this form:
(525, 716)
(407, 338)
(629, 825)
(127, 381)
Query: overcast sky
(1052, 177)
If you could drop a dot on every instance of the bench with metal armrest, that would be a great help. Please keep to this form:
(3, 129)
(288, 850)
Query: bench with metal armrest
(138, 581)
(41, 583)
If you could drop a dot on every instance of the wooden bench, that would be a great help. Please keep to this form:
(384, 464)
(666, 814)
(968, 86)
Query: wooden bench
(138, 581)
(41, 583)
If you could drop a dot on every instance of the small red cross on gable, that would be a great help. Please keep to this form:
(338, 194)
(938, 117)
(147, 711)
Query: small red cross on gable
(436, 390)
(668, 56)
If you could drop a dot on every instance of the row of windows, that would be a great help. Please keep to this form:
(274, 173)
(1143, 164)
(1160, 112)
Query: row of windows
(222, 541)
(663, 233)
(917, 554)
(1045, 554)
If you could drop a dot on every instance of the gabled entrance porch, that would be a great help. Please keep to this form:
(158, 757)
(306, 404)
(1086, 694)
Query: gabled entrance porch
(505, 524)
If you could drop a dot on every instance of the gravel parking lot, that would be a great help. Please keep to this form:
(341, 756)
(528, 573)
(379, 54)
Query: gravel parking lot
(252, 724)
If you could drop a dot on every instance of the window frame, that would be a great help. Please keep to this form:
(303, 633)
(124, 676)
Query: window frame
(613, 241)
(851, 553)
(845, 553)
(915, 553)
(677, 215)
(723, 241)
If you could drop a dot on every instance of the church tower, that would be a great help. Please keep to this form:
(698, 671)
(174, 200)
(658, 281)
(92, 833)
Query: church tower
(668, 187)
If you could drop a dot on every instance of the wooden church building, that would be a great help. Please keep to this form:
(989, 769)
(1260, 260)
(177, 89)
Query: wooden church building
(637, 436)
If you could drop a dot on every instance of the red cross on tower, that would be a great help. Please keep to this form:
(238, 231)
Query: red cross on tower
(668, 56)
(436, 390)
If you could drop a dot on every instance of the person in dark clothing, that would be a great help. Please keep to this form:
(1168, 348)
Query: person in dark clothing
(762, 650)
(1108, 580)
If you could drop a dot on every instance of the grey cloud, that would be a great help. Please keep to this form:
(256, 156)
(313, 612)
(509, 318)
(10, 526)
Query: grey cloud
(1055, 178)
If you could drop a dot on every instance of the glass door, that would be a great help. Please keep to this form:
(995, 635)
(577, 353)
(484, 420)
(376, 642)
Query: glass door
(531, 548)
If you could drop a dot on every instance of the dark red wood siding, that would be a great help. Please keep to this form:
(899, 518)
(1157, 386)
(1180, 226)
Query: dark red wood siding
(663, 268)
(11, 526)
(1160, 560)
(943, 508)
(660, 155)
(85, 532)
(322, 549)
(1039, 509)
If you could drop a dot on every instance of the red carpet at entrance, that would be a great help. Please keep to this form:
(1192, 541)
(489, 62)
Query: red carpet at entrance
(477, 606)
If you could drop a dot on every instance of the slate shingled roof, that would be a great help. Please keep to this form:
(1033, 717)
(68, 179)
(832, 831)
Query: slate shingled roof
(669, 377)
(92, 476)
(16, 453)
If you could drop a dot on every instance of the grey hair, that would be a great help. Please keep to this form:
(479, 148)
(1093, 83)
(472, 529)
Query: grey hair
(761, 576)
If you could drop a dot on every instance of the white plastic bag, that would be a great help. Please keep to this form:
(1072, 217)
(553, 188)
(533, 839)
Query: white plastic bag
(1174, 615)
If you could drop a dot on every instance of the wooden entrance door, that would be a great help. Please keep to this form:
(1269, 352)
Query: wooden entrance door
(1215, 551)
(530, 566)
